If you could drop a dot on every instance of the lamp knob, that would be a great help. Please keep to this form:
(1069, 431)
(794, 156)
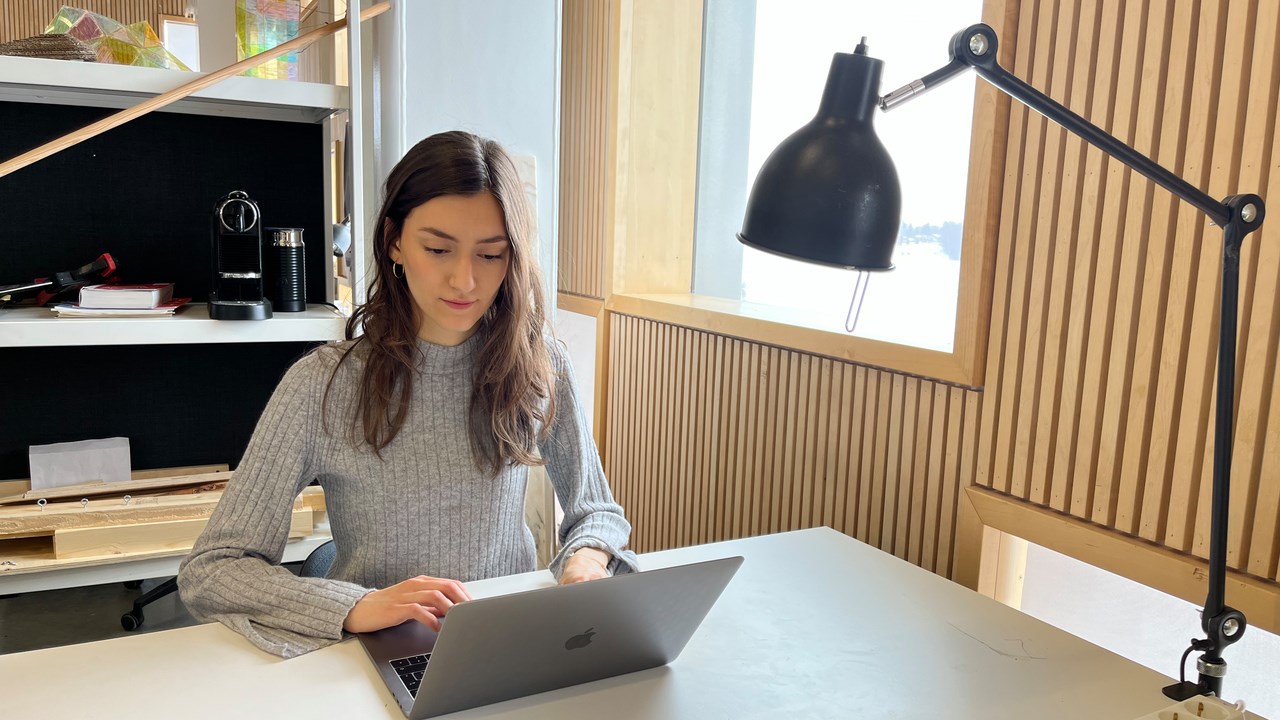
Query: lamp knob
(978, 43)
(1248, 212)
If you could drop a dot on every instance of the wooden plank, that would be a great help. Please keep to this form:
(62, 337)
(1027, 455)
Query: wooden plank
(920, 474)
(786, 328)
(992, 464)
(936, 478)
(1194, 388)
(1260, 263)
(798, 448)
(17, 521)
(871, 462)
(1226, 168)
(1060, 378)
(885, 510)
(848, 449)
(1086, 339)
(146, 537)
(1130, 210)
(22, 485)
(878, 466)
(1162, 110)
(1264, 544)
(984, 206)
(1168, 436)
(827, 413)
(580, 304)
(902, 483)
(952, 477)
(1152, 565)
(837, 449)
(1107, 363)
(1052, 66)
(119, 488)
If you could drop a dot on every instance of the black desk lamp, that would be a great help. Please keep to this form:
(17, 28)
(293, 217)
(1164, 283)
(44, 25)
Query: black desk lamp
(829, 195)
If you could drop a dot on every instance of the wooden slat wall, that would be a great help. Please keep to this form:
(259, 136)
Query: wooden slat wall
(1099, 399)
(714, 437)
(584, 135)
(24, 18)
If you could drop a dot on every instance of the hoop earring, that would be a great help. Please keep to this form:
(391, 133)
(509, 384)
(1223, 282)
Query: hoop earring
(395, 266)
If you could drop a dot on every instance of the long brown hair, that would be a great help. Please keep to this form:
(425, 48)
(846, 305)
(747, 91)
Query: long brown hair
(512, 401)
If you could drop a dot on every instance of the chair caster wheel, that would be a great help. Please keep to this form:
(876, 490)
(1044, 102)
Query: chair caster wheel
(131, 621)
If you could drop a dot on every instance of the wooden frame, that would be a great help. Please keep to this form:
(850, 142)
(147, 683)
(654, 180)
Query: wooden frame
(1172, 572)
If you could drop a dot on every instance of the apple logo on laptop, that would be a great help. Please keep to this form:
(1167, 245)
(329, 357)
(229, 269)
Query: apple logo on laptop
(580, 641)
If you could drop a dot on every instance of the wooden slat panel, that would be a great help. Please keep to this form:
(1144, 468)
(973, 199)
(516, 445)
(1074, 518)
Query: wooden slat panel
(1259, 264)
(584, 140)
(1010, 285)
(1187, 246)
(727, 438)
(1070, 302)
(1203, 259)
(1163, 142)
(1125, 197)
(1041, 361)
(1223, 180)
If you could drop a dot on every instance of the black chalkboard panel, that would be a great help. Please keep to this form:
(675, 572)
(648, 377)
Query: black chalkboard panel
(144, 192)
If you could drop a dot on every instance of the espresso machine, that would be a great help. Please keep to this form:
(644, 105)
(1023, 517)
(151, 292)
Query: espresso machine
(237, 260)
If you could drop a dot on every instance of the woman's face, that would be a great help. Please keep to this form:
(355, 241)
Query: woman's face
(455, 253)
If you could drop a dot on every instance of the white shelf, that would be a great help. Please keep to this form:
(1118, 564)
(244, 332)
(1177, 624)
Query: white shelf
(66, 82)
(38, 327)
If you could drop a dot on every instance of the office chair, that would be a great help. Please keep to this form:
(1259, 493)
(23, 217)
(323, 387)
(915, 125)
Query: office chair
(316, 565)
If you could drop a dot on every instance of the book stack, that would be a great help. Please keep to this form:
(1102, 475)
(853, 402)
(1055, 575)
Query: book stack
(150, 300)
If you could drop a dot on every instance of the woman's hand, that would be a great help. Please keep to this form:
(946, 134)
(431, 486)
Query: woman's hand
(585, 564)
(422, 598)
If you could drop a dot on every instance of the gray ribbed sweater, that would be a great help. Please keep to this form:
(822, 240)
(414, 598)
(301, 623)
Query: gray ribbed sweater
(423, 508)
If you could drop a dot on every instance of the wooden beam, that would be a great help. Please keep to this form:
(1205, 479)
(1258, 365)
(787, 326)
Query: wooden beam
(1157, 567)
(154, 536)
(17, 521)
(580, 304)
(119, 488)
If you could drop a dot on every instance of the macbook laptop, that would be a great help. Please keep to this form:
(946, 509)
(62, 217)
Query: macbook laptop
(510, 646)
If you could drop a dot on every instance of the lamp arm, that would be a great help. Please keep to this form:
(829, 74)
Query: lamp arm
(976, 46)
(1237, 215)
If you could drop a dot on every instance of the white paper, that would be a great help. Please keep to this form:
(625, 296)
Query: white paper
(83, 461)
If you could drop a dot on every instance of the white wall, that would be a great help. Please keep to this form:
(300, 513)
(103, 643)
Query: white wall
(578, 332)
(491, 67)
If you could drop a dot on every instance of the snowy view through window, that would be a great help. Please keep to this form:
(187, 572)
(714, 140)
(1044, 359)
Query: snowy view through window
(928, 139)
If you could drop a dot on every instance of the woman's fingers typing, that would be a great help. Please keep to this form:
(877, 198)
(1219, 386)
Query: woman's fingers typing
(424, 599)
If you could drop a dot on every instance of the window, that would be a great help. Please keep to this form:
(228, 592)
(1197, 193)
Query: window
(764, 67)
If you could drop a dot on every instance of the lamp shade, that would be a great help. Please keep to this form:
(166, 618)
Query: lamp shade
(829, 193)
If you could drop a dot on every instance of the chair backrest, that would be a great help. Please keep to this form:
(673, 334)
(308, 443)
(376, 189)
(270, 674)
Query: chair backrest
(318, 562)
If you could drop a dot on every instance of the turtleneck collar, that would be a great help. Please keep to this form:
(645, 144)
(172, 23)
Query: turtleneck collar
(445, 359)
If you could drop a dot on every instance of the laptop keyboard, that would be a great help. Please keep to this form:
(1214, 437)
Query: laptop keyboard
(410, 671)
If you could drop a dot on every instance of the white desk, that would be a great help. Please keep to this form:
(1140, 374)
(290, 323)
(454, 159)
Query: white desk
(815, 625)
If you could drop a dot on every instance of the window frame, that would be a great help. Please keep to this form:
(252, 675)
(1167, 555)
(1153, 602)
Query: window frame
(654, 277)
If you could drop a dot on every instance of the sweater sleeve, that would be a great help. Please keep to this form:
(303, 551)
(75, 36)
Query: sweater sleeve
(591, 516)
(233, 574)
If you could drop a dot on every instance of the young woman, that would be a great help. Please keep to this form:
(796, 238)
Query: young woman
(421, 429)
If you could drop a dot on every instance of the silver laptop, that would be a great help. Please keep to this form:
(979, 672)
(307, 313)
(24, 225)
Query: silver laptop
(510, 646)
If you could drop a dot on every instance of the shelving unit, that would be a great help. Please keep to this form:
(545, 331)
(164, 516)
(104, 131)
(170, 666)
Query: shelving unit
(145, 192)
(103, 85)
